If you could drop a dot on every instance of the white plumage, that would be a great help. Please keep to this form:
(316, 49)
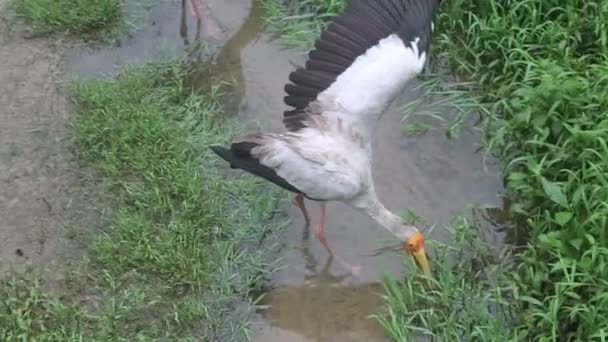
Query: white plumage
(320, 163)
(369, 85)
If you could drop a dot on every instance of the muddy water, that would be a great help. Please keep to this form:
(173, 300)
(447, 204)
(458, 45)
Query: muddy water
(166, 30)
(313, 298)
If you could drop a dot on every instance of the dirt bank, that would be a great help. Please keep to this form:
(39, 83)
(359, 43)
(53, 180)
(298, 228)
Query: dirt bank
(43, 205)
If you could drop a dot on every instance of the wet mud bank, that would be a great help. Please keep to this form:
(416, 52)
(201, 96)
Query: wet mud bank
(46, 203)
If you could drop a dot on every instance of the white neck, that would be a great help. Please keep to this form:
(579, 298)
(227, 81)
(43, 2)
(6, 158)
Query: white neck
(371, 205)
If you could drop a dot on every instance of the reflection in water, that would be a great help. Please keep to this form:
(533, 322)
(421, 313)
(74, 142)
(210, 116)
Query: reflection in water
(515, 233)
(323, 308)
(211, 28)
(229, 60)
(165, 32)
(183, 30)
(324, 277)
(227, 66)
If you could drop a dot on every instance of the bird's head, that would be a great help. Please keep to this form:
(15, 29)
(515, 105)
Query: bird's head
(412, 238)
(413, 244)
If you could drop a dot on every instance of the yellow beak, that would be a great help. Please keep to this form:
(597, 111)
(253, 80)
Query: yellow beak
(415, 246)
(421, 260)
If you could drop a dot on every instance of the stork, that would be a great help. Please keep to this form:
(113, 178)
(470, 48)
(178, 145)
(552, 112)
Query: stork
(360, 63)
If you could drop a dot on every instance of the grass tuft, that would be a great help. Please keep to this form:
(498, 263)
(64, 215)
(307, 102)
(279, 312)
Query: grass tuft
(465, 299)
(73, 16)
(299, 23)
(28, 313)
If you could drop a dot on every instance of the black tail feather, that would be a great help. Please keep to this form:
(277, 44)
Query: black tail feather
(239, 156)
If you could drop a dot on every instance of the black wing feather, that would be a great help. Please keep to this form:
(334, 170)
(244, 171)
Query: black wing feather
(335, 49)
(328, 57)
(302, 91)
(341, 30)
(349, 35)
(324, 66)
(311, 78)
(343, 42)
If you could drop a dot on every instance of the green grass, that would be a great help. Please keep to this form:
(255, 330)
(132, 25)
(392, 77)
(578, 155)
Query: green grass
(538, 72)
(462, 300)
(182, 243)
(73, 16)
(28, 313)
(299, 22)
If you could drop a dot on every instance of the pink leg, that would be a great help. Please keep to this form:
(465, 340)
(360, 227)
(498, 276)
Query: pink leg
(299, 201)
(354, 270)
(321, 230)
(194, 9)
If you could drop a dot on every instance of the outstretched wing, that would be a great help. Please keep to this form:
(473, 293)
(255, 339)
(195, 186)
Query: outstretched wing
(361, 61)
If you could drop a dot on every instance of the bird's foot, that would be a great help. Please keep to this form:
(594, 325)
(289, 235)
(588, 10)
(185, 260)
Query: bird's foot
(194, 9)
(211, 29)
(355, 270)
(351, 270)
(298, 200)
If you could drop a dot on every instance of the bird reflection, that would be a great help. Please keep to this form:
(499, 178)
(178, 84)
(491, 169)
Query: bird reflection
(324, 308)
(183, 30)
(324, 276)
(211, 28)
